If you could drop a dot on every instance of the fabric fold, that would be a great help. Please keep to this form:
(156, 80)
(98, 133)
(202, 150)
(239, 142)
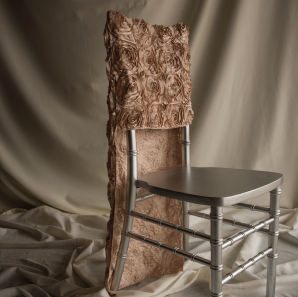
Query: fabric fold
(76, 266)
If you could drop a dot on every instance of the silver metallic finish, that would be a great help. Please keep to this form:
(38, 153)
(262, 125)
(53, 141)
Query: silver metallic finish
(246, 265)
(144, 197)
(132, 168)
(159, 244)
(169, 248)
(178, 228)
(272, 242)
(122, 256)
(175, 250)
(185, 206)
(216, 242)
(253, 207)
(239, 236)
(227, 221)
(210, 185)
(185, 143)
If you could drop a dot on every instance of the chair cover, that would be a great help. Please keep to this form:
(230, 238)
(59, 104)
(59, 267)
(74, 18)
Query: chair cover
(148, 69)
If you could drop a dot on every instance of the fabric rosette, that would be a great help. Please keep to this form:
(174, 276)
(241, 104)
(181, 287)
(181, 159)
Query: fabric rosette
(148, 60)
(178, 47)
(187, 85)
(185, 57)
(129, 89)
(175, 114)
(156, 115)
(120, 26)
(182, 32)
(143, 32)
(169, 61)
(164, 33)
(182, 51)
(173, 88)
(125, 56)
(188, 114)
(154, 89)
(132, 117)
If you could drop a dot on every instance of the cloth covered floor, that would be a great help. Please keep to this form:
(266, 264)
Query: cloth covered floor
(45, 252)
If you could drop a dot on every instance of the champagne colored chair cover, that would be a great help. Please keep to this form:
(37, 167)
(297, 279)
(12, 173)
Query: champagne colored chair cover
(148, 68)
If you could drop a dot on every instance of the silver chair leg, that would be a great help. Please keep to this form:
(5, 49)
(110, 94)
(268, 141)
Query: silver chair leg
(186, 225)
(121, 257)
(185, 145)
(132, 172)
(273, 238)
(216, 242)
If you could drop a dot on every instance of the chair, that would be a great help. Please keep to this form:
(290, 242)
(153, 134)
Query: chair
(150, 85)
(216, 187)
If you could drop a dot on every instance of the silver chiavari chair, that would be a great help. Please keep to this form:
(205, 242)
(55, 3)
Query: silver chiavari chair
(216, 187)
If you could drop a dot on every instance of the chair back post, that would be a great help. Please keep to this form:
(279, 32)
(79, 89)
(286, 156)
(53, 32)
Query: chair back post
(185, 143)
(132, 174)
(132, 170)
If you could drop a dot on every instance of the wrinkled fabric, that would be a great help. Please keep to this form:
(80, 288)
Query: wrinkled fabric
(45, 252)
(53, 92)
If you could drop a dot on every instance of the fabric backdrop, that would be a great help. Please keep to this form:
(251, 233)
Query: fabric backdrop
(53, 88)
(63, 255)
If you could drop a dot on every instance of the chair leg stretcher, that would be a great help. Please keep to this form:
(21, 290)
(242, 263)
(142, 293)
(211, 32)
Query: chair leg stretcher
(246, 265)
(178, 228)
(227, 221)
(252, 207)
(174, 250)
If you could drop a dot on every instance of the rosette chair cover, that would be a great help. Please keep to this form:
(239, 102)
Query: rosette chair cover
(148, 69)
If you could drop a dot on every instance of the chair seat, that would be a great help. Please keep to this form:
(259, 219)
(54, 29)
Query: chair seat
(210, 185)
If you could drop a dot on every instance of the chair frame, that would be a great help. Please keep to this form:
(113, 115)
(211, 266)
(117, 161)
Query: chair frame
(217, 242)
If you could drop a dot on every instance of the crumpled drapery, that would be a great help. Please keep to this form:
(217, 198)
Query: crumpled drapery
(45, 252)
